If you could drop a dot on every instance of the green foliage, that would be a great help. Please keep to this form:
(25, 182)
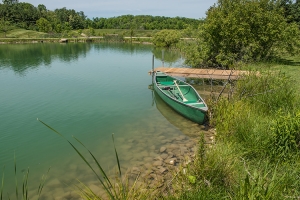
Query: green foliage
(5, 26)
(44, 25)
(259, 185)
(256, 155)
(113, 38)
(291, 10)
(91, 31)
(242, 31)
(166, 38)
(285, 138)
(267, 92)
(245, 118)
(144, 22)
(25, 15)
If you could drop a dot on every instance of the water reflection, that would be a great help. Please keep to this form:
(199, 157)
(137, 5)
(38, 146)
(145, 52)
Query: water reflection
(167, 56)
(23, 57)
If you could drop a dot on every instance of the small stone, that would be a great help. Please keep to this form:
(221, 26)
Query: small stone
(158, 163)
(158, 158)
(173, 146)
(170, 161)
(135, 170)
(164, 156)
(148, 159)
(148, 165)
(183, 150)
(162, 149)
(171, 154)
(190, 145)
(164, 141)
(162, 170)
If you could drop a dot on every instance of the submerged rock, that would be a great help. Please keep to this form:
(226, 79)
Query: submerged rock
(164, 156)
(162, 149)
(158, 163)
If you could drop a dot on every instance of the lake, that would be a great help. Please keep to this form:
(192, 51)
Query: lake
(84, 90)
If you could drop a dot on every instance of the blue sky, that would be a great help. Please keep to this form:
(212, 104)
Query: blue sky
(111, 8)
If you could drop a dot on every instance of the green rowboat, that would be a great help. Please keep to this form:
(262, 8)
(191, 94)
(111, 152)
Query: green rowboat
(181, 96)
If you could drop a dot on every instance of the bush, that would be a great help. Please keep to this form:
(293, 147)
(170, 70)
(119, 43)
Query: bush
(166, 38)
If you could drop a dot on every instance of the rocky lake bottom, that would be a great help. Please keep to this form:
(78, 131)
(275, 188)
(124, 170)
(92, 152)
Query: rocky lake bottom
(154, 163)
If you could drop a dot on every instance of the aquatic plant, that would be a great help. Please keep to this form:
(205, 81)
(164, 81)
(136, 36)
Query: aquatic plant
(23, 192)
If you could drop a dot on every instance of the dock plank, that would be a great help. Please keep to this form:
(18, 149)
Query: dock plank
(202, 73)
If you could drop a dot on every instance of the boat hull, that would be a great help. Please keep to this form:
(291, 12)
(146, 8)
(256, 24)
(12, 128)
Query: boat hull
(189, 111)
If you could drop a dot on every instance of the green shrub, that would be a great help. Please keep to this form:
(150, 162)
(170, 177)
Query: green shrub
(285, 138)
(166, 38)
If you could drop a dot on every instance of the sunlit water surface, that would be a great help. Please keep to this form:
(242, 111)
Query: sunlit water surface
(88, 91)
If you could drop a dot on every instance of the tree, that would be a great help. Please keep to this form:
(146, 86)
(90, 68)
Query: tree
(10, 2)
(242, 31)
(166, 38)
(5, 26)
(44, 25)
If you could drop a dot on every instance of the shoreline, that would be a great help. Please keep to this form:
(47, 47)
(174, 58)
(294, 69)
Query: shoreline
(139, 40)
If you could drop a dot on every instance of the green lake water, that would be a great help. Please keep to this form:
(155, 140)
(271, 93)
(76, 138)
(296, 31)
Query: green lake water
(84, 90)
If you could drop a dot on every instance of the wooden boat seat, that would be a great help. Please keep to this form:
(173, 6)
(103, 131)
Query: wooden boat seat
(166, 83)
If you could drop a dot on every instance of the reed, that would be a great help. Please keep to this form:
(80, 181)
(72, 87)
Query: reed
(22, 192)
(2, 185)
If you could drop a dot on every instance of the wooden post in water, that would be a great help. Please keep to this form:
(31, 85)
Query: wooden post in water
(163, 55)
(152, 63)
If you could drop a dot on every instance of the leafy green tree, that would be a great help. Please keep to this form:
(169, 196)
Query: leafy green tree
(5, 26)
(44, 25)
(10, 2)
(42, 10)
(58, 28)
(242, 31)
(166, 38)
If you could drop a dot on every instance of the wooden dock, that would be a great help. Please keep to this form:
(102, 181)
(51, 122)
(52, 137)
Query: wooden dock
(202, 73)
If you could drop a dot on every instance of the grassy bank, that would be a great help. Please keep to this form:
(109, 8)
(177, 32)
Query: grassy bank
(29, 36)
(257, 142)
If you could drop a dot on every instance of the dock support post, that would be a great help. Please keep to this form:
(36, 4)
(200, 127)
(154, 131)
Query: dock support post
(163, 55)
(152, 63)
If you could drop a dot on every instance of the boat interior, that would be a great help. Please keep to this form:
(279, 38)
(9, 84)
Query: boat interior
(179, 91)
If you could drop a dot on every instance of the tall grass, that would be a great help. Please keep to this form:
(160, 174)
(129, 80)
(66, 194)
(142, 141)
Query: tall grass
(24, 185)
(256, 154)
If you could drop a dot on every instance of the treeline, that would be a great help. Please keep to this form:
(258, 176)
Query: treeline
(144, 22)
(25, 15)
